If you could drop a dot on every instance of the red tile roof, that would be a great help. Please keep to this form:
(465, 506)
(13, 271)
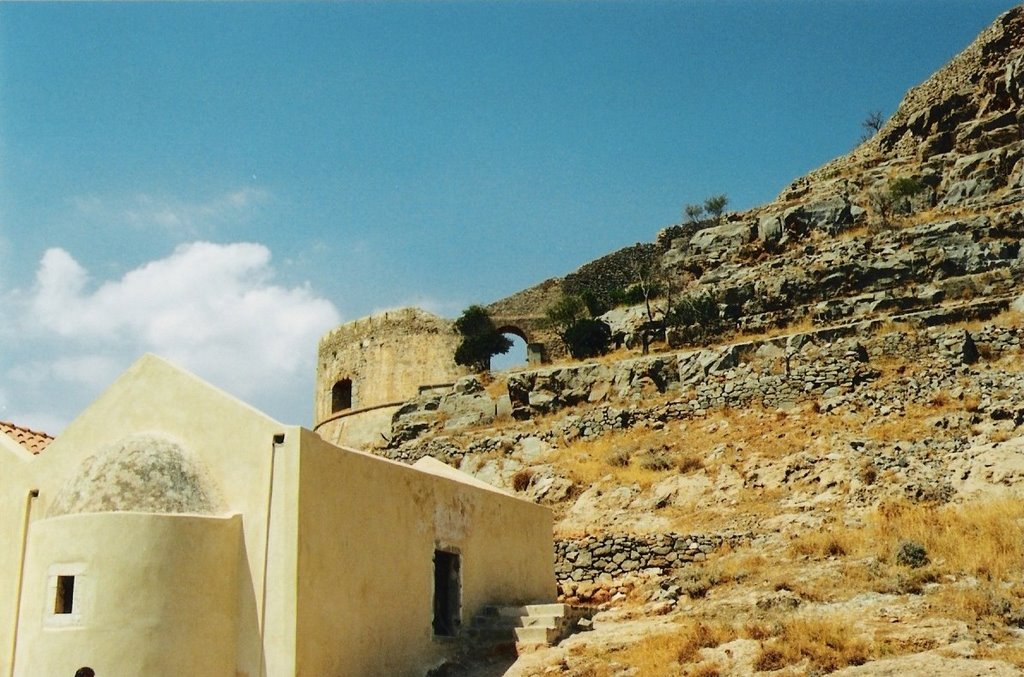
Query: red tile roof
(32, 440)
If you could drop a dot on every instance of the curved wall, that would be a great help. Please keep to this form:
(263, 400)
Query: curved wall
(387, 357)
(153, 595)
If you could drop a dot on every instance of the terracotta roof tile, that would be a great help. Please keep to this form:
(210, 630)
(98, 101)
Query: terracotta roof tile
(32, 440)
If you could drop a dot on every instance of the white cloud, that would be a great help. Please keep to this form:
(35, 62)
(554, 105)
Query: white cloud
(182, 217)
(211, 308)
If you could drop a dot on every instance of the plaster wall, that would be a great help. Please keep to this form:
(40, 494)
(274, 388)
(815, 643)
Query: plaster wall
(153, 595)
(14, 499)
(231, 439)
(360, 430)
(352, 504)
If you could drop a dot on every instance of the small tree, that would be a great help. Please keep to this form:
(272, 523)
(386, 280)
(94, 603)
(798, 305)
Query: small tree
(693, 213)
(871, 124)
(652, 283)
(565, 312)
(698, 312)
(895, 197)
(583, 335)
(881, 202)
(715, 205)
(481, 340)
(587, 337)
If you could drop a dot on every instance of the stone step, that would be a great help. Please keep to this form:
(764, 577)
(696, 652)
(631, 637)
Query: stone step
(537, 635)
(491, 634)
(510, 622)
(526, 627)
(530, 610)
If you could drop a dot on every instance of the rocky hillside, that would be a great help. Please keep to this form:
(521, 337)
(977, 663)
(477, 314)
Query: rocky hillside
(833, 480)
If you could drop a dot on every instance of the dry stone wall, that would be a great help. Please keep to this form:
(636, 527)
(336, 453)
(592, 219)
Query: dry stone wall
(830, 367)
(609, 557)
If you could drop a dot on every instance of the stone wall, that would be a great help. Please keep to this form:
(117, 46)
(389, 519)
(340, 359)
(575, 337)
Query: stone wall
(612, 273)
(828, 367)
(603, 559)
(387, 357)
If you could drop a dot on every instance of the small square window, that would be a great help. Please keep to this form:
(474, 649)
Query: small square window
(65, 599)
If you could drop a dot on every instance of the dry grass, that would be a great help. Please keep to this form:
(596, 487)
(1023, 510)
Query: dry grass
(916, 421)
(826, 642)
(821, 544)
(618, 454)
(522, 479)
(980, 539)
(936, 214)
(1011, 653)
(664, 654)
(495, 384)
(801, 325)
(984, 540)
(1005, 318)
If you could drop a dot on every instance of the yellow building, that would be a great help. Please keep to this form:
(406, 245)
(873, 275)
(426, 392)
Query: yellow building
(173, 530)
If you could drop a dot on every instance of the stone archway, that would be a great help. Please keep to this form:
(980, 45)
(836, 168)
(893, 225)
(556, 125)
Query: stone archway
(537, 345)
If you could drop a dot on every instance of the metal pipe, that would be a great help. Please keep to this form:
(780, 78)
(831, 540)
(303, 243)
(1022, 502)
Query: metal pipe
(277, 439)
(29, 498)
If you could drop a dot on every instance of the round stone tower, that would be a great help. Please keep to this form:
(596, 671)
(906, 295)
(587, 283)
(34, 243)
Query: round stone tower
(367, 368)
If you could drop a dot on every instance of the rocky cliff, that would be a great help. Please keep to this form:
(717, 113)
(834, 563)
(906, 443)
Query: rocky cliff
(833, 479)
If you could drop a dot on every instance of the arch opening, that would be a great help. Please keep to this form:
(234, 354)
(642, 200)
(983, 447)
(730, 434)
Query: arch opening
(516, 357)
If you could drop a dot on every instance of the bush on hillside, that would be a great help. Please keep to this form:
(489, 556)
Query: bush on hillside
(481, 340)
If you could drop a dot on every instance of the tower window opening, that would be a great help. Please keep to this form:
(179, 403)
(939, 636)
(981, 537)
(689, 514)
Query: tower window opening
(341, 395)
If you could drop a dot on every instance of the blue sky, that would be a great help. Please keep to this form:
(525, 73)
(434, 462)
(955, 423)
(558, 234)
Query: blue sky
(220, 183)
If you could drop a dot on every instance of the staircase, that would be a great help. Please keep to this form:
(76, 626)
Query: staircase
(527, 627)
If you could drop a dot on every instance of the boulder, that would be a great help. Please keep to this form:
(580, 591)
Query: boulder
(728, 237)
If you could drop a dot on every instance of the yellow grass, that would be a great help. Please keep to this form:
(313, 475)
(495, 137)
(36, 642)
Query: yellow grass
(801, 325)
(826, 642)
(587, 461)
(666, 654)
(1012, 654)
(981, 539)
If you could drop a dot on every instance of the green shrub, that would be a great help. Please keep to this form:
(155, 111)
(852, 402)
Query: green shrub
(911, 554)
(480, 339)
(905, 187)
(695, 309)
(587, 338)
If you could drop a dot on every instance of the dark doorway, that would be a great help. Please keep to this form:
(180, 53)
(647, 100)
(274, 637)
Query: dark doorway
(341, 395)
(447, 593)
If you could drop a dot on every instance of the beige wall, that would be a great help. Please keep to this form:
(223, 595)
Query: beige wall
(361, 430)
(233, 440)
(14, 490)
(154, 595)
(367, 533)
(345, 539)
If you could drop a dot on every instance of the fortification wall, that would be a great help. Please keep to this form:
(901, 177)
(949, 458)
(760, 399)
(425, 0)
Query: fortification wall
(380, 360)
